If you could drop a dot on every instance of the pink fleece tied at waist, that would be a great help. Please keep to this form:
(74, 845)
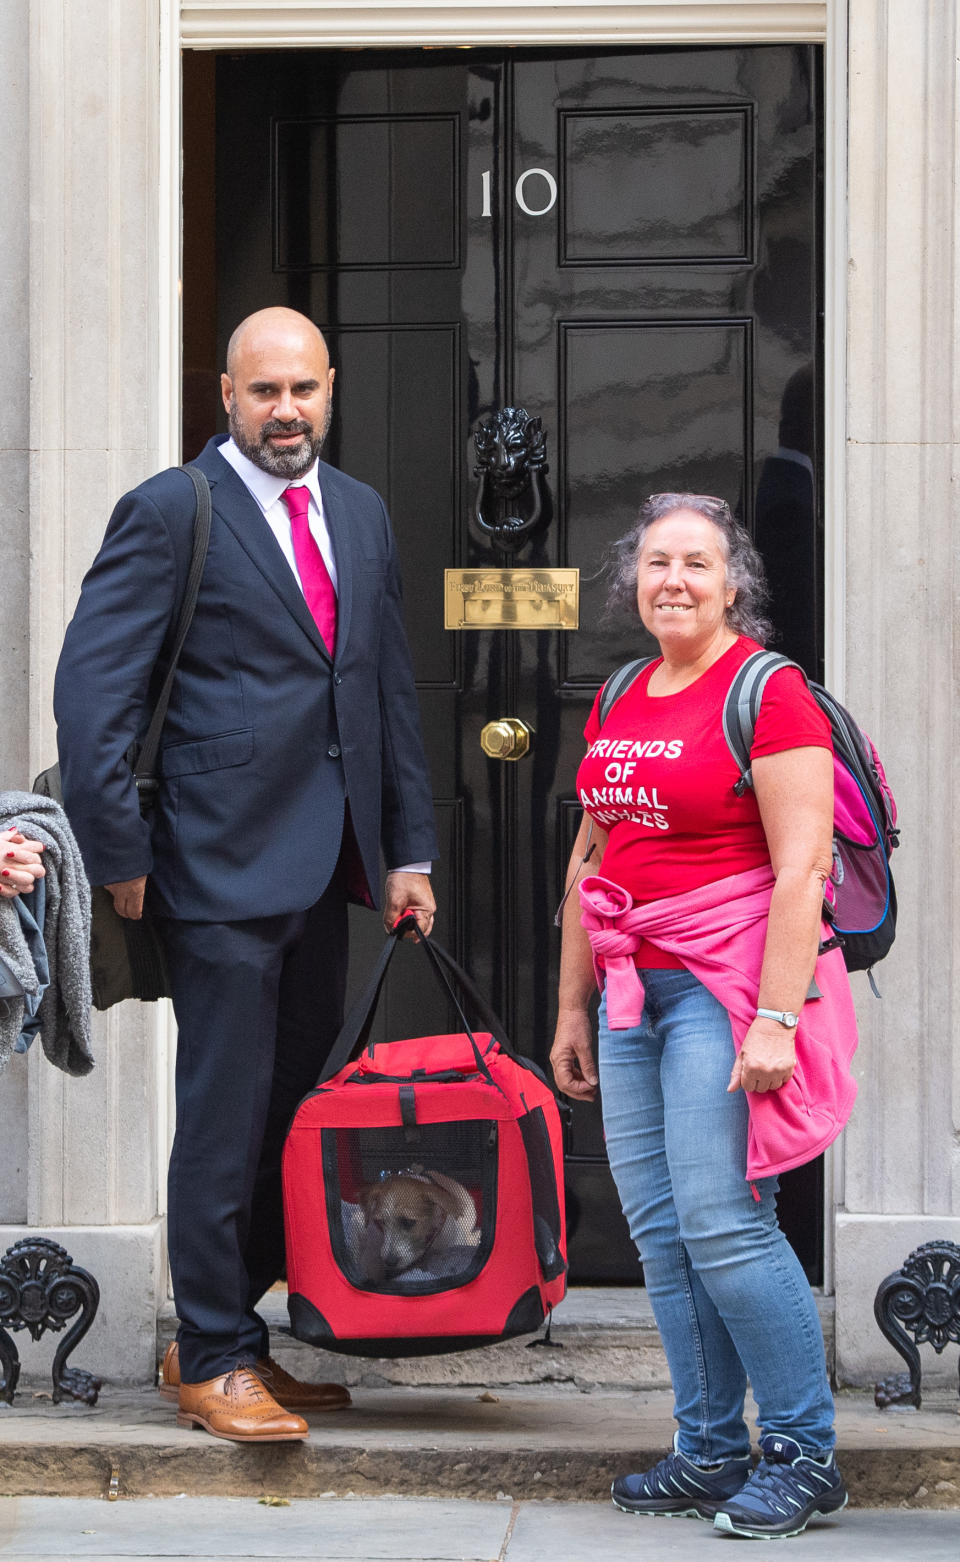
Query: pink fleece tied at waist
(719, 932)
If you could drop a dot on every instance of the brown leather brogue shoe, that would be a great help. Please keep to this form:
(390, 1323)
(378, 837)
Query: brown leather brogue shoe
(169, 1384)
(286, 1390)
(294, 1395)
(237, 1407)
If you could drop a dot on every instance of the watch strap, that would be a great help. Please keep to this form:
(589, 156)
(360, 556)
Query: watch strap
(784, 1017)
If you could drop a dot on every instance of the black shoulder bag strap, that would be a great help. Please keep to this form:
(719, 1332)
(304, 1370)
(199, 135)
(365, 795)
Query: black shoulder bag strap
(144, 770)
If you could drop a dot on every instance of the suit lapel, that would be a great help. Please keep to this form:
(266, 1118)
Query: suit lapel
(238, 510)
(341, 538)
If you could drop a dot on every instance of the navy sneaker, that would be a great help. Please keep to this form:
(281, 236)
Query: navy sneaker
(785, 1490)
(678, 1488)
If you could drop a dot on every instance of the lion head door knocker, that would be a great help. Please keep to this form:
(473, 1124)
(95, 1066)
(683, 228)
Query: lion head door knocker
(511, 458)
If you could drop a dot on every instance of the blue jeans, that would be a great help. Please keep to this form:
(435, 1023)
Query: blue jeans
(727, 1290)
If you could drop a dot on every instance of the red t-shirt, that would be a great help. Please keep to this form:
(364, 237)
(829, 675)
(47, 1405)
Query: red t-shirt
(659, 779)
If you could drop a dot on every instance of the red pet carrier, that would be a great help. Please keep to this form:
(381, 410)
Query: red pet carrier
(423, 1187)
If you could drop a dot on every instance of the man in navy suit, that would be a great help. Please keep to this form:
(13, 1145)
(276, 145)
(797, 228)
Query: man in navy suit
(291, 754)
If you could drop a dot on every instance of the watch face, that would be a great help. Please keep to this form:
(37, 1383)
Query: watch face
(790, 1019)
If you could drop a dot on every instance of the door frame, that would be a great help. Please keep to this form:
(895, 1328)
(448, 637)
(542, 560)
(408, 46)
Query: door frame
(219, 25)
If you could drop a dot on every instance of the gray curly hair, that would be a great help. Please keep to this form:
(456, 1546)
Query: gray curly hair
(746, 615)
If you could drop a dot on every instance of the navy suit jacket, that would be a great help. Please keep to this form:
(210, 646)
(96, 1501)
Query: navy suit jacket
(265, 738)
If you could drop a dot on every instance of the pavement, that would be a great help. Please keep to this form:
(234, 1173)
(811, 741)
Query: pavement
(500, 1455)
(397, 1529)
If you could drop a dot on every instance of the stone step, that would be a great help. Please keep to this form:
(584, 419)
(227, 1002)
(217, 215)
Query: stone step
(541, 1441)
(602, 1337)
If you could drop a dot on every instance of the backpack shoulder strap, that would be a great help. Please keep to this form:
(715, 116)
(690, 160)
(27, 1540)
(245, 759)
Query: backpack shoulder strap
(619, 682)
(742, 707)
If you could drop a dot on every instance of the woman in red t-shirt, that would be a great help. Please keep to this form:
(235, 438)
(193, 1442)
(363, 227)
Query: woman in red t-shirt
(728, 1292)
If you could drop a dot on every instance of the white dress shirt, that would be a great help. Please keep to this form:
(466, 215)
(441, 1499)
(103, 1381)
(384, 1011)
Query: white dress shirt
(268, 491)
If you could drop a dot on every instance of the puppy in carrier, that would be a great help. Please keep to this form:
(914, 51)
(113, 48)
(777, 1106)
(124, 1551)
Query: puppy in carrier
(423, 1189)
(414, 1222)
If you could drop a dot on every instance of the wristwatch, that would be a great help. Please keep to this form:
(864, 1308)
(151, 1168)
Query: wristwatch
(782, 1016)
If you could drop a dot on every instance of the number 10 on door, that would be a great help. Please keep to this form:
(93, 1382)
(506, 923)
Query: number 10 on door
(535, 201)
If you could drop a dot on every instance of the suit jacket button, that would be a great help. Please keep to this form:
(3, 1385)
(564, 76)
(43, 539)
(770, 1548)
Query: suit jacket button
(338, 677)
(334, 750)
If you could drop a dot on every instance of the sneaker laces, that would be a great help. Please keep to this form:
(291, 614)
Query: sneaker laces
(783, 1481)
(661, 1472)
(674, 1469)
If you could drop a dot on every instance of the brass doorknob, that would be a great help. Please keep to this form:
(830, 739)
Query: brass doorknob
(508, 738)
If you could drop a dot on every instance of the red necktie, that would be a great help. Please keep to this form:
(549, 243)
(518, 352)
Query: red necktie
(314, 575)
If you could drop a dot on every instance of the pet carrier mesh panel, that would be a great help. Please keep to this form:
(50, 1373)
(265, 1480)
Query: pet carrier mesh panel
(414, 1217)
(423, 1191)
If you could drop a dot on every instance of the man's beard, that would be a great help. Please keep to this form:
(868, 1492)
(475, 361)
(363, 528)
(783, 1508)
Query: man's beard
(286, 461)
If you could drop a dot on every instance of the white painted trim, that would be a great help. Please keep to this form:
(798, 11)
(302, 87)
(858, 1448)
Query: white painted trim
(169, 231)
(251, 24)
(168, 443)
(835, 344)
(834, 459)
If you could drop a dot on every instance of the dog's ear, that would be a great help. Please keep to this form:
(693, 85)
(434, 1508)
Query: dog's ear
(370, 1199)
(446, 1198)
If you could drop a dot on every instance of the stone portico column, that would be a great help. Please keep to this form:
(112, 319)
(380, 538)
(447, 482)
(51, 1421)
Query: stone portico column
(94, 88)
(902, 1149)
(14, 519)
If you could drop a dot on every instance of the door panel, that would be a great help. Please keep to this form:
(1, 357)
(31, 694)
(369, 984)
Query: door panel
(382, 425)
(683, 183)
(646, 406)
(624, 243)
(351, 193)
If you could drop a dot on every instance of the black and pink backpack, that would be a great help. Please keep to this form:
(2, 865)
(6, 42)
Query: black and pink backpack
(860, 901)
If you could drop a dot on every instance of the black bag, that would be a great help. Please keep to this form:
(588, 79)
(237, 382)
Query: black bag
(126, 957)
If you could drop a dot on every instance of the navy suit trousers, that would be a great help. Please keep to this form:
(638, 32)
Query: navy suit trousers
(258, 1004)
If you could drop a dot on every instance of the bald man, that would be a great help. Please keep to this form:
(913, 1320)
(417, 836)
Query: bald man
(291, 756)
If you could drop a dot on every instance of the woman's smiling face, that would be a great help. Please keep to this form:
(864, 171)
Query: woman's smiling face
(682, 591)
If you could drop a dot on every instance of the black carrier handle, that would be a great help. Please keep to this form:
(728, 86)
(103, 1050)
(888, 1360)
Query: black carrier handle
(355, 1031)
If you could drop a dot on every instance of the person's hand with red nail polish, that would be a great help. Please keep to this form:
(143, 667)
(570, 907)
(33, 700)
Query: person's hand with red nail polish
(21, 862)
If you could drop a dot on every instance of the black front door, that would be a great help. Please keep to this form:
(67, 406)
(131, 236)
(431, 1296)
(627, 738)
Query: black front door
(624, 244)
